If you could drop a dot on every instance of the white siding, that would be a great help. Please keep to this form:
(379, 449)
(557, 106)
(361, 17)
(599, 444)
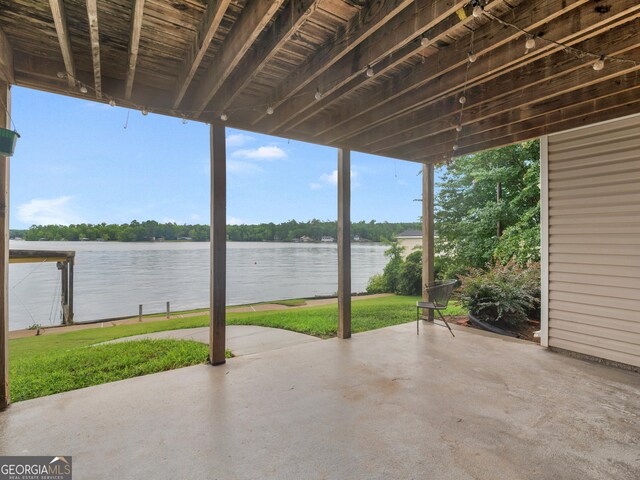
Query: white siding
(594, 240)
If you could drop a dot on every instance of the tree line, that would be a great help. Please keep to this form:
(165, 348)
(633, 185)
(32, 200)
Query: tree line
(151, 230)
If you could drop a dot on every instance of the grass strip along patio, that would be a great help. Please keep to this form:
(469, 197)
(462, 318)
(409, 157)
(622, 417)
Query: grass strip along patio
(47, 364)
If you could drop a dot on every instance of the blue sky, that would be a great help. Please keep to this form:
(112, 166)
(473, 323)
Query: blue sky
(75, 162)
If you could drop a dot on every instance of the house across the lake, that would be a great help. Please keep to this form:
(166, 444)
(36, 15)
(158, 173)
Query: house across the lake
(410, 240)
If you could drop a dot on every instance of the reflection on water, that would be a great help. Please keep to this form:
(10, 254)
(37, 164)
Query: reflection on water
(112, 279)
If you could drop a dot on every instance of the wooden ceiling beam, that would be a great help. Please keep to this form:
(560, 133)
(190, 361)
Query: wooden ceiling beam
(64, 40)
(6, 59)
(283, 28)
(92, 14)
(391, 45)
(590, 112)
(434, 35)
(445, 71)
(540, 104)
(362, 26)
(491, 98)
(205, 33)
(137, 14)
(252, 21)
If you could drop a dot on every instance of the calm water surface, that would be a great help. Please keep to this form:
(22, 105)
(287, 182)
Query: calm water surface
(112, 279)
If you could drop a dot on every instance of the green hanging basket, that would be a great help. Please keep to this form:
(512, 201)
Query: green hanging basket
(8, 140)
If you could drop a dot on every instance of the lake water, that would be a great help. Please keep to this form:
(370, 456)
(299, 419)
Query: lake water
(112, 278)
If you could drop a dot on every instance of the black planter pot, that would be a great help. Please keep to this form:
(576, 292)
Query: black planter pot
(490, 328)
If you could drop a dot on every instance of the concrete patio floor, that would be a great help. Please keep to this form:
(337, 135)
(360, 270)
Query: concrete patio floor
(386, 404)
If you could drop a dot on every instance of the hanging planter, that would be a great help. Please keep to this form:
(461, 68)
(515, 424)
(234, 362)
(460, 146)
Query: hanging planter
(8, 140)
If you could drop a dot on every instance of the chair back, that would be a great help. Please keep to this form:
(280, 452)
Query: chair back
(440, 292)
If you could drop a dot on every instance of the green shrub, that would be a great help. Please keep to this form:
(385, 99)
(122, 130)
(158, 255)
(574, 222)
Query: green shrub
(410, 278)
(377, 284)
(504, 294)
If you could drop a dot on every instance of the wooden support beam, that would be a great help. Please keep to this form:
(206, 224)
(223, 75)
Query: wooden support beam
(284, 27)
(610, 98)
(344, 243)
(70, 266)
(254, 18)
(367, 22)
(428, 236)
(385, 65)
(60, 21)
(550, 77)
(92, 14)
(403, 30)
(134, 43)
(5, 99)
(213, 15)
(446, 71)
(218, 320)
(6, 60)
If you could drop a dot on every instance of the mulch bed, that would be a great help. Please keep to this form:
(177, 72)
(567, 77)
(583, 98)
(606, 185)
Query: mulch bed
(525, 333)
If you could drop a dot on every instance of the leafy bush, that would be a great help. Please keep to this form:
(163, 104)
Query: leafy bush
(505, 294)
(377, 284)
(410, 278)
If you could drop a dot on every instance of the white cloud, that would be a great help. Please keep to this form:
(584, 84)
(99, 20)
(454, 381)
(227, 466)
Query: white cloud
(48, 211)
(238, 139)
(237, 166)
(261, 153)
(331, 179)
(234, 221)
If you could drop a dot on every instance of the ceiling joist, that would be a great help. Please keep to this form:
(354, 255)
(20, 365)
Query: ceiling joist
(251, 23)
(60, 22)
(137, 13)
(94, 32)
(204, 35)
(228, 61)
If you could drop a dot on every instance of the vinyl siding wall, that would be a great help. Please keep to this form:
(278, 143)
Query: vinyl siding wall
(594, 240)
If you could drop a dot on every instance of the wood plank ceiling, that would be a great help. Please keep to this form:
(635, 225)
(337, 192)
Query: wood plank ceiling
(306, 61)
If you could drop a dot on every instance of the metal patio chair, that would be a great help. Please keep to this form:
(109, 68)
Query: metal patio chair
(439, 294)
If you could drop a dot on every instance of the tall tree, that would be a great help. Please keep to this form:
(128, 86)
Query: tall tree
(468, 211)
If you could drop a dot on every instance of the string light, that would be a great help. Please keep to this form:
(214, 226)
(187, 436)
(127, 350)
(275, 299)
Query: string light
(599, 64)
(477, 9)
(455, 147)
(530, 43)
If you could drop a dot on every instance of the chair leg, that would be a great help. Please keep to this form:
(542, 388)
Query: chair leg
(417, 320)
(445, 322)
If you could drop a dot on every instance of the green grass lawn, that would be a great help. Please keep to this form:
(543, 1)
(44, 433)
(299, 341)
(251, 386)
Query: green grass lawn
(53, 363)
